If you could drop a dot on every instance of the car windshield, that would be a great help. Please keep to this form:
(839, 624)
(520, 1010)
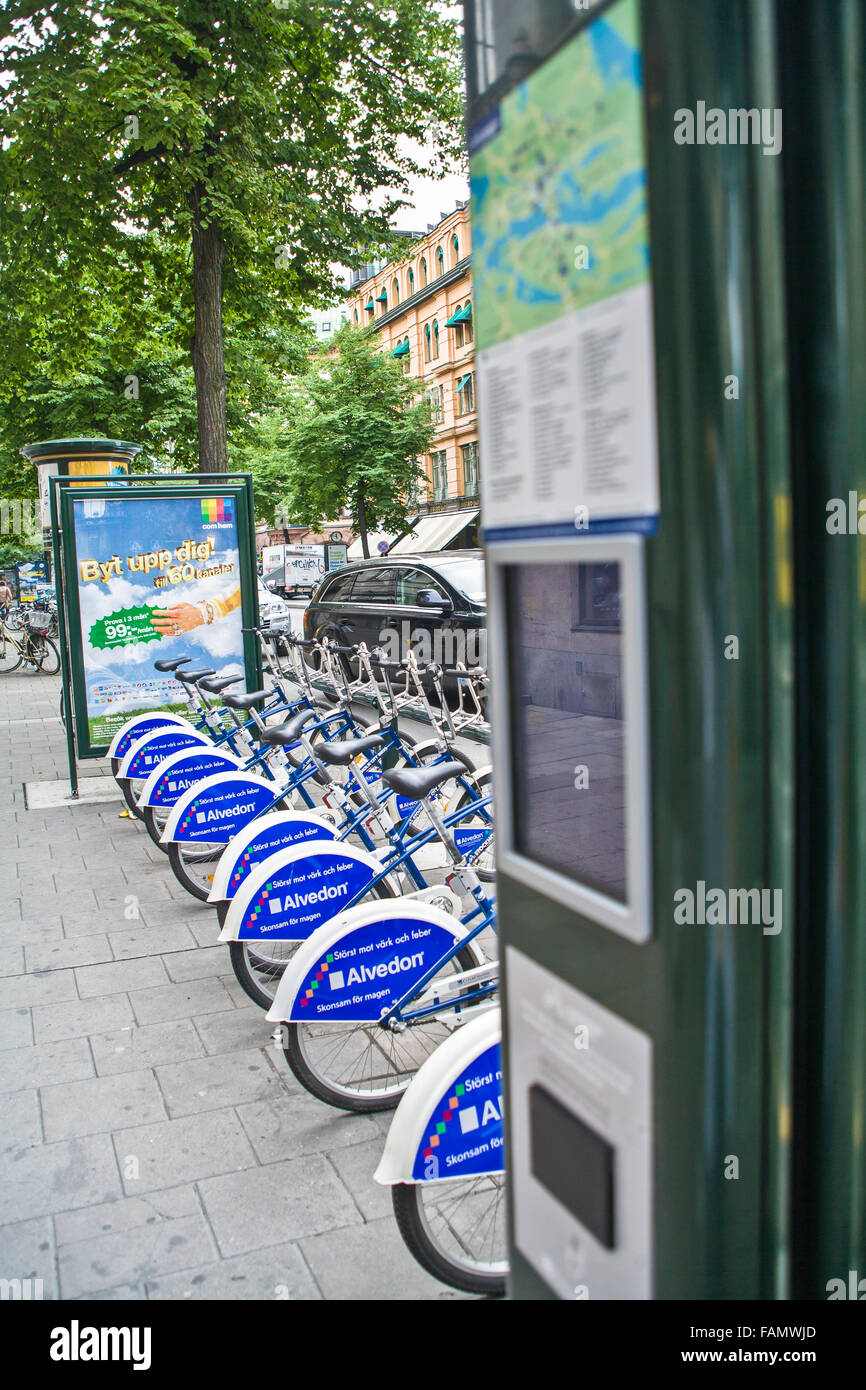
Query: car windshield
(467, 575)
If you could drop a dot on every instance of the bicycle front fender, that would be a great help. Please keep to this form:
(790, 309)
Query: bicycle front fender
(361, 963)
(449, 1122)
(257, 841)
(140, 725)
(292, 892)
(150, 751)
(182, 771)
(214, 809)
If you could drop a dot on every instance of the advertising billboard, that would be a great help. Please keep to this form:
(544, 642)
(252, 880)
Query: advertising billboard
(152, 574)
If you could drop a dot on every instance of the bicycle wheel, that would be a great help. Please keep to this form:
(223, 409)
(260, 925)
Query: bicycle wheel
(44, 655)
(484, 860)
(456, 1230)
(194, 866)
(155, 819)
(10, 654)
(131, 790)
(363, 1067)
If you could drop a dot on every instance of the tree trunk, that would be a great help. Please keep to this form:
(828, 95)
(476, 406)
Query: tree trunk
(362, 523)
(208, 364)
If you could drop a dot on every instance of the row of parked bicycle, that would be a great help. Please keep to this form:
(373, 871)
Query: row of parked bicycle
(350, 866)
(26, 633)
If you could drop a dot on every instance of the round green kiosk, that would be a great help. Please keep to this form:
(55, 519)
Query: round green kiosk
(75, 458)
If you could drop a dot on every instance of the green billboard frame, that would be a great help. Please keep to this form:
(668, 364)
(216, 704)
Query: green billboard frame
(64, 493)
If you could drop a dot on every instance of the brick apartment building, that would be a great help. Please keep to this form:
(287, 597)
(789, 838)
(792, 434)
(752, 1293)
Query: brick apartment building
(422, 307)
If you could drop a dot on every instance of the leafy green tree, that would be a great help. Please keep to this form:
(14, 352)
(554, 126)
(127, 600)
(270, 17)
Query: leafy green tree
(212, 160)
(353, 437)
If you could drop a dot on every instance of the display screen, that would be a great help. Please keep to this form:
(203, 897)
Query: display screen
(574, 1163)
(566, 687)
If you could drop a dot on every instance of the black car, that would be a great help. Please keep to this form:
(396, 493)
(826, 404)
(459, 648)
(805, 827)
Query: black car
(436, 602)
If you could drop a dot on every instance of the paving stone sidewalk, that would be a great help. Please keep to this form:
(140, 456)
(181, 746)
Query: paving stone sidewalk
(155, 1145)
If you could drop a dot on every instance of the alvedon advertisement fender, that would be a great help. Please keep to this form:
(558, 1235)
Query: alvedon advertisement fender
(215, 809)
(257, 841)
(449, 1122)
(295, 890)
(148, 752)
(167, 783)
(356, 967)
(140, 725)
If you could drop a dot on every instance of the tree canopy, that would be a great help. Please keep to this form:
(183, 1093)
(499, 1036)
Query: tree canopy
(353, 437)
(180, 175)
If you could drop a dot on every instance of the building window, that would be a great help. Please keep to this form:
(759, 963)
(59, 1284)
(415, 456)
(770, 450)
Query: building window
(439, 463)
(411, 280)
(356, 315)
(470, 469)
(455, 251)
(326, 328)
(437, 402)
(465, 394)
(396, 289)
(458, 329)
(435, 338)
(423, 271)
(426, 342)
(440, 258)
(413, 497)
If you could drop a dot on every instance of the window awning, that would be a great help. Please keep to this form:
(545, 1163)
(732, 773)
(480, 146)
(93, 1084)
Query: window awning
(433, 533)
(462, 382)
(370, 306)
(382, 298)
(401, 350)
(455, 318)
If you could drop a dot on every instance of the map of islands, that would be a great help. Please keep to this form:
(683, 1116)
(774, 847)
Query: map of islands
(559, 199)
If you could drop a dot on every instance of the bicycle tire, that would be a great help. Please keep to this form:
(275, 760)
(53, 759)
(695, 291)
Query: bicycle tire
(197, 887)
(340, 1095)
(419, 1236)
(48, 662)
(9, 649)
(130, 790)
(155, 827)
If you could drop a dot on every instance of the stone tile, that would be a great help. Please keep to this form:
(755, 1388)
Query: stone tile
(213, 1082)
(205, 929)
(129, 1048)
(179, 1001)
(80, 950)
(369, 1262)
(16, 1028)
(28, 1253)
(20, 1125)
(126, 1214)
(80, 1018)
(16, 932)
(184, 1150)
(289, 1126)
(278, 1273)
(356, 1165)
(283, 1202)
(45, 1065)
(145, 1252)
(99, 1105)
(146, 940)
(134, 1293)
(196, 964)
(165, 911)
(55, 1177)
(50, 987)
(237, 1028)
(12, 960)
(119, 977)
